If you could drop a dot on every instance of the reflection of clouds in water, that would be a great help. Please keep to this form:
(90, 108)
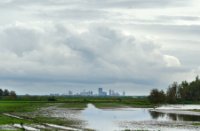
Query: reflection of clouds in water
(109, 119)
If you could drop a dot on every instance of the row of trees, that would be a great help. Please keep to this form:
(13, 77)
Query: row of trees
(185, 91)
(7, 94)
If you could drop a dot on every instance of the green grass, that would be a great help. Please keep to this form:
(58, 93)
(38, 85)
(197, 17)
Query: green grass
(72, 102)
(120, 105)
(38, 120)
(14, 106)
(109, 105)
(13, 130)
(123, 102)
(9, 120)
(196, 124)
(195, 110)
(105, 102)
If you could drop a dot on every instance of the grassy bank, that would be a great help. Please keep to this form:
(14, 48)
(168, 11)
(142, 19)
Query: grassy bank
(104, 102)
(9, 120)
(32, 103)
(19, 106)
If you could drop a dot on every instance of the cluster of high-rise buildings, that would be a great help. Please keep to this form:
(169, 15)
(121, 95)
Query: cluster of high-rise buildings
(100, 92)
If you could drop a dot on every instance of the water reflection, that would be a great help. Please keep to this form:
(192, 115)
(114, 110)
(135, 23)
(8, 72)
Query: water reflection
(126, 118)
(156, 115)
(173, 117)
(108, 119)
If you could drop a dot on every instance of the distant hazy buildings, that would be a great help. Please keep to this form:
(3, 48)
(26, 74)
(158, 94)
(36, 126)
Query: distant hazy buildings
(100, 92)
(86, 93)
(124, 93)
(113, 93)
(70, 93)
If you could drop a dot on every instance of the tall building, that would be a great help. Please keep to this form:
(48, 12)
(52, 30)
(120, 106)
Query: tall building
(100, 91)
(70, 93)
(124, 93)
(110, 92)
(113, 93)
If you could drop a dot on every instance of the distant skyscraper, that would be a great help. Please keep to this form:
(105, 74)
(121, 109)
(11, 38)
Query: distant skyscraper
(124, 93)
(100, 91)
(70, 93)
(110, 92)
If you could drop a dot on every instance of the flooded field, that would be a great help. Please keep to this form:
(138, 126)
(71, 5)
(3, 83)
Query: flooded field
(161, 118)
(139, 118)
(164, 118)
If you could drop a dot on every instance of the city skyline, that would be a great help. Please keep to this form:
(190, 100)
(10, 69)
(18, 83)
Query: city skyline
(99, 92)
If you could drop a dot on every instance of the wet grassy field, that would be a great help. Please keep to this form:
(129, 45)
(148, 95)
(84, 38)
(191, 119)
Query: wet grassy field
(25, 108)
(39, 112)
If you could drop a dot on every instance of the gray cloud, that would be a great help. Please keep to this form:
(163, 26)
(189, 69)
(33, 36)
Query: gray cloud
(121, 44)
(73, 14)
(99, 55)
(96, 3)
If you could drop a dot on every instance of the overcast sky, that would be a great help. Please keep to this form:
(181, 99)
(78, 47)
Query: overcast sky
(51, 46)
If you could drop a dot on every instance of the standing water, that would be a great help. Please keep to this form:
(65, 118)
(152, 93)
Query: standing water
(107, 119)
(138, 118)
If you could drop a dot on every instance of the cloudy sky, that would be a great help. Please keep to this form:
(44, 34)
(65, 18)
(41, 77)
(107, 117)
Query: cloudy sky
(51, 46)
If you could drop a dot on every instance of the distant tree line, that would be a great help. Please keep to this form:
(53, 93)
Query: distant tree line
(185, 91)
(4, 94)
